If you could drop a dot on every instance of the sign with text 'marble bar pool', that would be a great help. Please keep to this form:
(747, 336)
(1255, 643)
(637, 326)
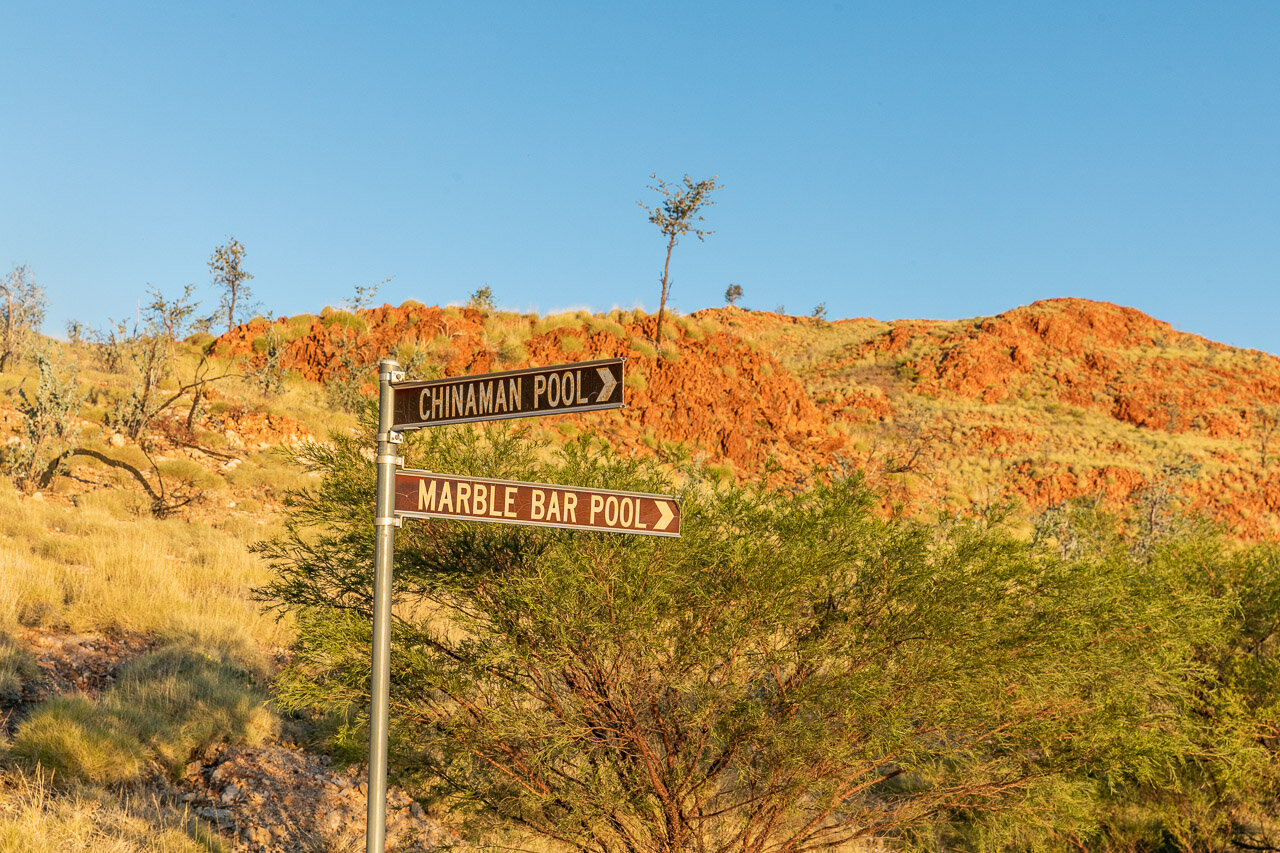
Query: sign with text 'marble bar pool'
(582, 387)
(423, 494)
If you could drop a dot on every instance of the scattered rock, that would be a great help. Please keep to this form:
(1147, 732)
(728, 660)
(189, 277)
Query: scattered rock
(273, 799)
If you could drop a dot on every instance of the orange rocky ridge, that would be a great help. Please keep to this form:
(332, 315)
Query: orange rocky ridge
(1056, 400)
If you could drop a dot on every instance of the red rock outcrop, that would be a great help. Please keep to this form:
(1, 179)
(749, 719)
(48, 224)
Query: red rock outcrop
(1017, 405)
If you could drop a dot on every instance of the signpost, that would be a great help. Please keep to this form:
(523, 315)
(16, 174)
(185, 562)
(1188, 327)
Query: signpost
(582, 387)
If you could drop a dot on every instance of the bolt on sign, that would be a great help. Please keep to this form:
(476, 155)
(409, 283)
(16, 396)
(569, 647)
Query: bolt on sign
(582, 387)
(423, 494)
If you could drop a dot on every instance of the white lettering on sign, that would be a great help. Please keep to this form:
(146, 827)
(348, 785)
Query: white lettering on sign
(552, 390)
(539, 504)
(617, 511)
(471, 398)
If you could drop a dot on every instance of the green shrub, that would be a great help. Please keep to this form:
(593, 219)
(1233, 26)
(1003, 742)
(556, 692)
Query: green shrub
(722, 473)
(602, 325)
(346, 320)
(691, 328)
(557, 321)
(200, 340)
(943, 685)
(298, 325)
(643, 349)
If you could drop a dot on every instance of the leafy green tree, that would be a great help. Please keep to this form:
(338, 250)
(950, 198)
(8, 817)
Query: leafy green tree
(1221, 790)
(675, 216)
(229, 275)
(22, 306)
(482, 300)
(792, 673)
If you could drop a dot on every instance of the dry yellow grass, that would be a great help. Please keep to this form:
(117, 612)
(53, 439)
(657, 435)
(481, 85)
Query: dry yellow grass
(86, 569)
(37, 818)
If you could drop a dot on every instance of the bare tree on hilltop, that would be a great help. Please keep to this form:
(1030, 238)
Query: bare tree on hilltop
(675, 216)
(226, 264)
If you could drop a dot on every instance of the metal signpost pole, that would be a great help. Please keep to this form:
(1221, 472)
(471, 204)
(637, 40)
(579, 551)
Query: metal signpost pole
(580, 387)
(385, 523)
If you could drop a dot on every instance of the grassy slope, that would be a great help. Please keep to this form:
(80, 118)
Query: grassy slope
(88, 559)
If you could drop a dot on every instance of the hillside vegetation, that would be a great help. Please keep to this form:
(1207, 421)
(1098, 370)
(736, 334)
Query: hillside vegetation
(1086, 440)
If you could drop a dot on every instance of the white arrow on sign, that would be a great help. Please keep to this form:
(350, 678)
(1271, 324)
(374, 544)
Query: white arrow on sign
(664, 515)
(606, 376)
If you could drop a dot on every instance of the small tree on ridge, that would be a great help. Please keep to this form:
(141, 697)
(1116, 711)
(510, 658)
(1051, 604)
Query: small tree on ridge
(226, 264)
(675, 216)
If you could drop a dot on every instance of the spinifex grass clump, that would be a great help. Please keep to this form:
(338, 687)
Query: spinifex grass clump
(165, 707)
(17, 667)
(74, 738)
(793, 673)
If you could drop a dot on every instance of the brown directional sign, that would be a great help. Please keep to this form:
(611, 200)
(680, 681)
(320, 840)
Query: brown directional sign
(581, 387)
(422, 494)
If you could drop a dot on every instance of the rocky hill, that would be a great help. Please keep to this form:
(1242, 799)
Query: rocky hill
(1060, 399)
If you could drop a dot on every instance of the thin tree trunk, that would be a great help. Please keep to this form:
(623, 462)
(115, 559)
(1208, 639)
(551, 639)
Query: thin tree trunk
(8, 328)
(662, 304)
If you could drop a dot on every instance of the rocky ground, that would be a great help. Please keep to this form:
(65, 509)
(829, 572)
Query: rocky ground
(275, 798)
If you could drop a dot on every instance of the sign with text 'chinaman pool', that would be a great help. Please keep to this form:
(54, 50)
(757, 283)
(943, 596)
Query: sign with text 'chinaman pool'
(582, 387)
(423, 494)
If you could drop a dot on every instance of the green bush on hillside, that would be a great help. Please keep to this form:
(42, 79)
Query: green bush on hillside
(792, 673)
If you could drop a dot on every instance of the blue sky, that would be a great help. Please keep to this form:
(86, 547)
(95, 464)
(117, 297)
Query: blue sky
(891, 160)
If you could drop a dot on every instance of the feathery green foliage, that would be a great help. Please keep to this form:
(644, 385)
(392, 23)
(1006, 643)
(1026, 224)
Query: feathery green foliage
(793, 673)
